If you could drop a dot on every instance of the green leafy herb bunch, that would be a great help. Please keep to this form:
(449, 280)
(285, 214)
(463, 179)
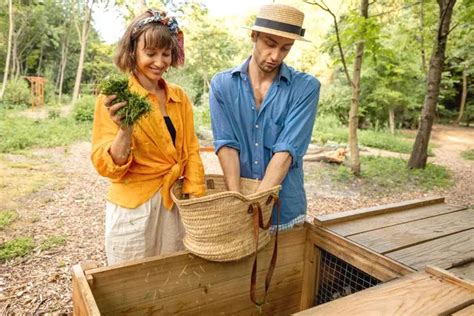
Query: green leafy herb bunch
(137, 106)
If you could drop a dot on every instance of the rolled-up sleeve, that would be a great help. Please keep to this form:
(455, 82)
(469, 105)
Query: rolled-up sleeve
(298, 126)
(221, 127)
(194, 169)
(104, 132)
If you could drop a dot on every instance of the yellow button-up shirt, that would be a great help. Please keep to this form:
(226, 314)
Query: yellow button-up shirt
(154, 161)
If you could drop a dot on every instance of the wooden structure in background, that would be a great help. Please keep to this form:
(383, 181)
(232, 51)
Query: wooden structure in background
(37, 91)
(386, 242)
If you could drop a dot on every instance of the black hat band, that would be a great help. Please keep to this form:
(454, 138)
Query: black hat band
(280, 26)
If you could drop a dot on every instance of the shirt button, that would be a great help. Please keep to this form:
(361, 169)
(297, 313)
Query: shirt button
(256, 144)
(256, 162)
(256, 126)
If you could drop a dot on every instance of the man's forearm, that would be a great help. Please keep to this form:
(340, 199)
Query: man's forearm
(229, 160)
(276, 171)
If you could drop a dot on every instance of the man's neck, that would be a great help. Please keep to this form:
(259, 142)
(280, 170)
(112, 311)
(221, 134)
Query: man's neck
(258, 76)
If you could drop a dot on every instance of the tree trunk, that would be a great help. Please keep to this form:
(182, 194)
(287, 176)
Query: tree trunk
(9, 48)
(40, 62)
(391, 120)
(464, 94)
(422, 38)
(15, 72)
(354, 111)
(83, 40)
(419, 153)
(64, 53)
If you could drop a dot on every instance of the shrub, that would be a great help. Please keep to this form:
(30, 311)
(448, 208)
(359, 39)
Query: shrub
(17, 93)
(84, 108)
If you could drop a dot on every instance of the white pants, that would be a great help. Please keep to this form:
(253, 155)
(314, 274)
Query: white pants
(145, 231)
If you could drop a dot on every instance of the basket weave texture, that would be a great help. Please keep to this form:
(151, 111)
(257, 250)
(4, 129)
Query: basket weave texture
(218, 225)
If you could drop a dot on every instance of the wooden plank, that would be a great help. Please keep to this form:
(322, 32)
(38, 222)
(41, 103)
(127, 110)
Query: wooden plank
(450, 277)
(213, 299)
(188, 288)
(393, 238)
(442, 252)
(361, 257)
(467, 311)
(391, 219)
(173, 277)
(325, 220)
(465, 271)
(279, 300)
(83, 300)
(311, 265)
(419, 293)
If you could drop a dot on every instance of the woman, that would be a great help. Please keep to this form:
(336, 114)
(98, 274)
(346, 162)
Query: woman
(145, 160)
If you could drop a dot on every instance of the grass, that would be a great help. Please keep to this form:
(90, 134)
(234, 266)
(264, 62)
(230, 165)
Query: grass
(384, 174)
(52, 241)
(328, 129)
(390, 172)
(6, 218)
(18, 247)
(19, 133)
(468, 154)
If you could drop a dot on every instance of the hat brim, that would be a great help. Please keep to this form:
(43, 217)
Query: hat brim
(276, 32)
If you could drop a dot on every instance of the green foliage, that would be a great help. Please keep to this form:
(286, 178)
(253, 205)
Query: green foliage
(84, 108)
(468, 154)
(53, 114)
(328, 129)
(19, 133)
(52, 241)
(137, 106)
(393, 173)
(17, 93)
(18, 247)
(335, 102)
(382, 175)
(6, 218)
(210, 48)
(202, 115)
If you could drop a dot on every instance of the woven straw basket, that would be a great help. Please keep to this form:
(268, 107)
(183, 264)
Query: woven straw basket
(220, 225)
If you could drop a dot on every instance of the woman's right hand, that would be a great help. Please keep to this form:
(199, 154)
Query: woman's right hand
(113, 108)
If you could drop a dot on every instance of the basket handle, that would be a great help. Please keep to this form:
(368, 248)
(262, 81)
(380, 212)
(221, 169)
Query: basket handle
(257, 224)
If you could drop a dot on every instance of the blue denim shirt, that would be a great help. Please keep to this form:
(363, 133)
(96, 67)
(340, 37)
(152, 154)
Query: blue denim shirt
(283, 123)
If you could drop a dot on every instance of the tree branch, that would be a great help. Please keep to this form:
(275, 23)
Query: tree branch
(443, 16)
(323, 6)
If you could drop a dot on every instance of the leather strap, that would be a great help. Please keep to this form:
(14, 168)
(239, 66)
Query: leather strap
(256, 209)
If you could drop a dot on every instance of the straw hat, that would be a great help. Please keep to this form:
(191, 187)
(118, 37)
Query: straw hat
(281, 20)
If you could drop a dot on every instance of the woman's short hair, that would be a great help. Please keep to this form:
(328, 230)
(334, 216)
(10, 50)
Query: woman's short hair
(156, 35)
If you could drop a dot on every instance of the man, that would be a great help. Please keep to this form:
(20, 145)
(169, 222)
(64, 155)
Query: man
(263, 113)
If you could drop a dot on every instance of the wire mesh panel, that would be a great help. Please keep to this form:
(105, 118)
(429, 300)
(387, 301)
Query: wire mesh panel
(337, 278)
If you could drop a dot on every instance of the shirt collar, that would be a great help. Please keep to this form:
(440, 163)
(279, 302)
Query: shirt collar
(283, 73)
(135, 86)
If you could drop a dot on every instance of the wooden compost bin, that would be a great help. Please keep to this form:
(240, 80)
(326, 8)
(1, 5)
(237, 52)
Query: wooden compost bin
(338, 255)
(430, 292)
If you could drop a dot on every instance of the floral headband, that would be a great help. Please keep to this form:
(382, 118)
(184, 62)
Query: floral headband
(170, 22)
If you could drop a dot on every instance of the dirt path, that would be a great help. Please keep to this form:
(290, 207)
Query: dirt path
(67, 199)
